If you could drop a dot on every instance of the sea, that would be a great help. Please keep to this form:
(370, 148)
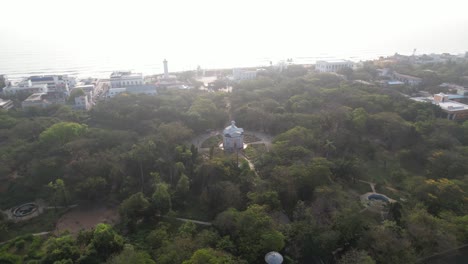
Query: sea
(18, 63)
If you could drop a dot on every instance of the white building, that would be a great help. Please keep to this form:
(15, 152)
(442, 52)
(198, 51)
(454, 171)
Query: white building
(233, 137)
(240, 75)
(26, 87)
(115, 91)
(55, 83)
(147, 89)
(333, 65)
(122, 79)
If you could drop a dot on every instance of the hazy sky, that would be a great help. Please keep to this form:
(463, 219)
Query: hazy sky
(213, 29)
(248, 25)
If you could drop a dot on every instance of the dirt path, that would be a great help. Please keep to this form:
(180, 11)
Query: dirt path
(372, 185)
(86, 218)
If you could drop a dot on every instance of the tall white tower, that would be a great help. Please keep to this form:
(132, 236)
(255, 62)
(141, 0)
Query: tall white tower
(166, 71)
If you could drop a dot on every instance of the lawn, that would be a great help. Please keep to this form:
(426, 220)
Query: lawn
(42, 223)
(248, 138)
(213, 141)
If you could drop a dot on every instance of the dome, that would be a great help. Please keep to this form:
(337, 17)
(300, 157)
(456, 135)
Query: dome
(273, 258)
(233, 131)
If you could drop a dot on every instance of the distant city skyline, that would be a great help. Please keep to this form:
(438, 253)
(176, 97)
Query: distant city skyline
(92, 35)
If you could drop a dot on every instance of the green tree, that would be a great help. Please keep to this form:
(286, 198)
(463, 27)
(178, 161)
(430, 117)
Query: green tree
(252, 231)
(62, 133)
(75, 93)
(130, 255)
(182, 189)
(388, 243)
(60, 249)
(106, 241)
(354, 256)
(211, 256)
(60, 193)
(161, 199)
(134, 207)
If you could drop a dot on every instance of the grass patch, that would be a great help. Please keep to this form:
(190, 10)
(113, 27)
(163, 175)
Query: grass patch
(253, 152)
(248, 138)
(213, 141)
(41, 223)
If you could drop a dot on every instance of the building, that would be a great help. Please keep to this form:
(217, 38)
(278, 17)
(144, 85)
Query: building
(86, 87)
(6, 104)
(26, 87)
(147, 89)
(34, 100)
(112, 92)
(55, 83)
(44, 99)
(454, 110)
(233, 137)
(241, 75)
(82, 103)
(333, 65)
(122, 79)
(407, 79)
(4, 81)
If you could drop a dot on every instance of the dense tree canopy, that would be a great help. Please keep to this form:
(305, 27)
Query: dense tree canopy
(299, 195)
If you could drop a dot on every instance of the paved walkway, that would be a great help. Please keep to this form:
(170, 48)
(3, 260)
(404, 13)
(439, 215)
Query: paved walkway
(372, 185)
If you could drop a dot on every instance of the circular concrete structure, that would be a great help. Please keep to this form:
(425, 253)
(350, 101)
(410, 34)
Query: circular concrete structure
(25, 209)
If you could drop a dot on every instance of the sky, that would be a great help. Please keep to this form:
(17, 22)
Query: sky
(210, 30)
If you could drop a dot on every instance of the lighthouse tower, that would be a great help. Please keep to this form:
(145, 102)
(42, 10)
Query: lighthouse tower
(166, 71)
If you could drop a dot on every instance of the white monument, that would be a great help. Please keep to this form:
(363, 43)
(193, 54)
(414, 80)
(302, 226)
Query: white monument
(273, 258)
(233, 137)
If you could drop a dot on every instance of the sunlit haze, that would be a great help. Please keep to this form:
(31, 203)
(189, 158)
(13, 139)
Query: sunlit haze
(138, 34)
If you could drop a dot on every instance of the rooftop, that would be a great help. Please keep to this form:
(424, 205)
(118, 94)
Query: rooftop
(407, 76)
(453, 106)
(35, 97)
(125, 74)
(41, 78)
(141, 88)
(334, 61)
(233, 131)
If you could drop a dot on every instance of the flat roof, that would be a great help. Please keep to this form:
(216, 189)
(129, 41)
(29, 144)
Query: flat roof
(334, 61)
(453, 106)
(41, 78)
(395, 82)
(35, 97)
(455, 96)
(423, 99)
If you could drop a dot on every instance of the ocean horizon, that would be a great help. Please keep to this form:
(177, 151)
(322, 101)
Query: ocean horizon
(18, 64)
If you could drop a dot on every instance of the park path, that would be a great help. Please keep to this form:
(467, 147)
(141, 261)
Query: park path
(35, 234)
(194, 221)
(372, 185)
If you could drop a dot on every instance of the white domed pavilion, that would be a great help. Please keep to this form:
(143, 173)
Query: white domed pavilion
(233, 137)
